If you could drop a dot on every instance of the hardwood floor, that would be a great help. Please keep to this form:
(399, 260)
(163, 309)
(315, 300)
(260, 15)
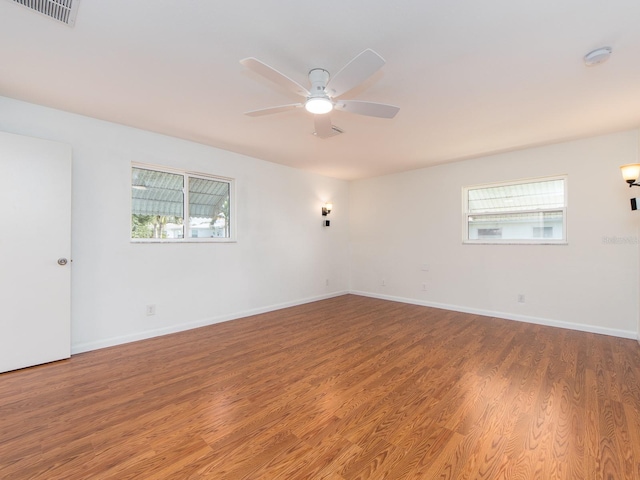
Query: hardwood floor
(346, 388)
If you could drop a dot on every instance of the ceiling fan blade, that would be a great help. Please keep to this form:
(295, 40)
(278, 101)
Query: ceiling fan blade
(370, 109)
(323, 125)
(355, 72)
(275, 76)
(270, 110)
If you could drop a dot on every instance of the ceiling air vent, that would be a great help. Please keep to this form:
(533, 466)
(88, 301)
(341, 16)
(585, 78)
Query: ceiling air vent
(62, 10)
(334, 131)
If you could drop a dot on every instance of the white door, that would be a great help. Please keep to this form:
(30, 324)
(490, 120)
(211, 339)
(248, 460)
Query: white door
(35, 241)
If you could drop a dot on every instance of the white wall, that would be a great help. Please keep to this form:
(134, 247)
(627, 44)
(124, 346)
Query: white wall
(283, 255)
(400, 222)
(384, 228)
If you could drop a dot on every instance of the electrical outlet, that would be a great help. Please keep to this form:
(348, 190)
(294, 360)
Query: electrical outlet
(424, 287)
(520, 298)
(151, 310)
(383, 283)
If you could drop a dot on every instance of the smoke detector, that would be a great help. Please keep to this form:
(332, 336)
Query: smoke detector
(597, 56)
(61, 10)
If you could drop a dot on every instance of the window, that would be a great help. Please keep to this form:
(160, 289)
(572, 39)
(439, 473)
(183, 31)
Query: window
(161, 199)
(527, 211)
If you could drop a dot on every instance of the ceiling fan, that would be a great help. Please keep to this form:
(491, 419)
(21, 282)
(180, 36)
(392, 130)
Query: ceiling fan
(323, 95)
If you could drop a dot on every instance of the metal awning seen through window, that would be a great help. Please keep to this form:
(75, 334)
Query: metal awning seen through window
(162, 193)
(539, 195)
(157, 193)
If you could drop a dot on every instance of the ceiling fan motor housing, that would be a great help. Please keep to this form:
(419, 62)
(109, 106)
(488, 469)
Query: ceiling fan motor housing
(318, 77)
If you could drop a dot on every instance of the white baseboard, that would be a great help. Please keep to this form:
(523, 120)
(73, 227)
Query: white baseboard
(509, 316)
(110, 342)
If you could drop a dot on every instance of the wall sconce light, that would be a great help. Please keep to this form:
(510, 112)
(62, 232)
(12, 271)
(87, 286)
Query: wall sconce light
(326, 210)
(630, 173)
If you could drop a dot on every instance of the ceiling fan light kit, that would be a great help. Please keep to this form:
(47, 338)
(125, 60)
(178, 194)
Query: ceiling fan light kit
(320, 98)
(318, 105)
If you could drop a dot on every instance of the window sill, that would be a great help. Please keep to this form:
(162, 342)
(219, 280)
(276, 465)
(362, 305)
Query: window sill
(183, 240)
(515, 242)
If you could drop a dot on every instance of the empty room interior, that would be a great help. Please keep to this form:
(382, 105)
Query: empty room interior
(348, 240)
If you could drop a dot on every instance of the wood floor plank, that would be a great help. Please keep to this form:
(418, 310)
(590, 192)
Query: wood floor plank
(346, 388)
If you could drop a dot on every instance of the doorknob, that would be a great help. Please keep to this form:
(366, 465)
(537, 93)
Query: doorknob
(62, 261)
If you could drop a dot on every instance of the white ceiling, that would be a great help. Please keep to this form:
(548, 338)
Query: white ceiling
(470, 77)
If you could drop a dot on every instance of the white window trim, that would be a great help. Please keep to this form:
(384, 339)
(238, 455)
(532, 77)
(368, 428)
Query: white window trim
(232, 205)
(533, 241)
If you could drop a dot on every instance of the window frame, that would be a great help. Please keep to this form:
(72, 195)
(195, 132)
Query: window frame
(232, 238)
(530, 241)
